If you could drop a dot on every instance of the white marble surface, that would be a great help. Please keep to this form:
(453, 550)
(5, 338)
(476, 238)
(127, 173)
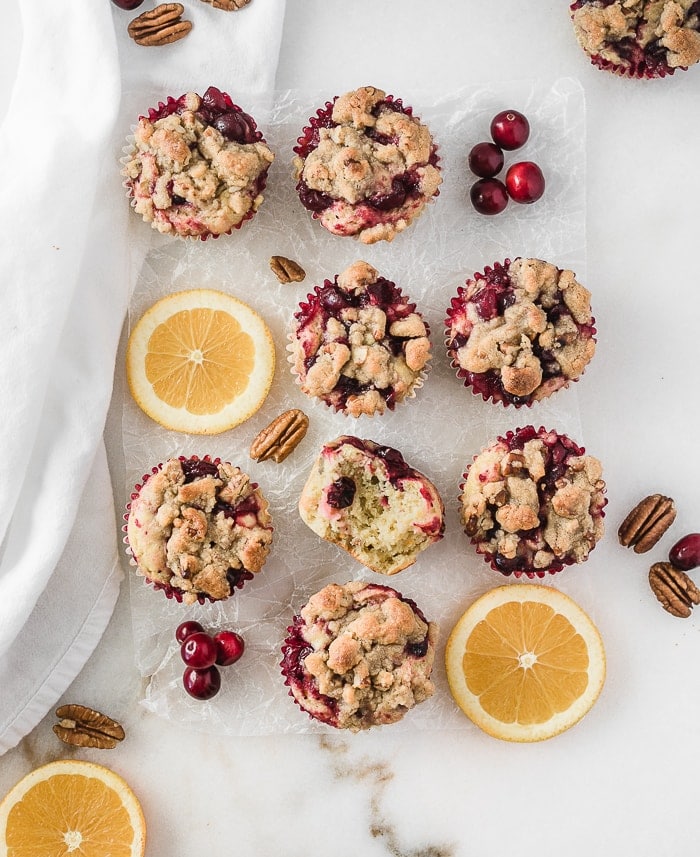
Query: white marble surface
(617, 782)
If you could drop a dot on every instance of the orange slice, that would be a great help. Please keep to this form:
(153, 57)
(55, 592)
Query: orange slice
(72, 807)
(525, 662)
(200, 361)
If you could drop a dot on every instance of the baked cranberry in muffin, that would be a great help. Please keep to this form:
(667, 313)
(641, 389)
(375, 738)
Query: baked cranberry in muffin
(359, 655)
(366, 166)
(198, 528)
(532, 502)
(358, 343)
(520, 331)
(198, 166)
(639, 38)
(366, 499)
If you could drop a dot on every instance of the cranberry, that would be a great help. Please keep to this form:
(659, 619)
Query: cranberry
(510, 129)
(394, 198)
(195, 468)
(214, 99)
(341, 493)
(202, 684)
(486, 160)
(199, 650)
(230, 647)
(525, 182)
(313, 200)
(489, 196)
(127, 4)
(185, 629)
(685, 554)
(234, 127)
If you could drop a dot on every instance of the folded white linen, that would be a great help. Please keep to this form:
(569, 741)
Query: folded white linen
(65, 288)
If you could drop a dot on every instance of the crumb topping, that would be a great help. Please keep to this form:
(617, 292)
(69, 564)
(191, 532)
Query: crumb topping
(358, 348)
(669, 27)
(198, 536)
(374, 165)
(187, 178)
(365, 498)
(527, 325)
(371, 655)
(534, 504)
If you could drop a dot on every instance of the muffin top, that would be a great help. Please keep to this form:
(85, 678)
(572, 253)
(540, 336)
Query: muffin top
(197, 166)
(533, 502)
(520, 331)
(199, 526)
(639, 37)
(359, 655)
(358, 344)
(366, 166)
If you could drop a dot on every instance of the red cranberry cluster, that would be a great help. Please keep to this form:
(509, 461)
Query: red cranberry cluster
(202, 654)
(524, 180)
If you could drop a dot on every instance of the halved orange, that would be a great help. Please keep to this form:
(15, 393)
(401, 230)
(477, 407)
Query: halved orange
(525, 662)
(200, 361)
(70, 807)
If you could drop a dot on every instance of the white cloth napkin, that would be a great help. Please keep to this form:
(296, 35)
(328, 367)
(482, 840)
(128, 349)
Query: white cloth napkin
(64, 277)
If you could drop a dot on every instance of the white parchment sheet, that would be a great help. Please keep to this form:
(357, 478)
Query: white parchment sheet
(438, 432)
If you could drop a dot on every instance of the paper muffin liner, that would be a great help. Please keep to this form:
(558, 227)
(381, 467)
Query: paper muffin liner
(637, 70)
(487, 384)
(169, 591)
(167, 108)
(416, 384)
(308, 140)
(316, 705)
(528, 432)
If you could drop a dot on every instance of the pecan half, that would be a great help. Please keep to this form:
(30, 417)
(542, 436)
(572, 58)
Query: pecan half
(160, 26)
(286, 270)
(647, 522)
(281, 437)
(84, 727)
(228, 5)
(674, 589)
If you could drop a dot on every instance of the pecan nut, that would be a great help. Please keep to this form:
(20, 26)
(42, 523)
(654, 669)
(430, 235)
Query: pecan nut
(160, 26)
(84, 727)
(674, 589)
(647, 522)
(228, 5)
(287, 270)
(281, 437)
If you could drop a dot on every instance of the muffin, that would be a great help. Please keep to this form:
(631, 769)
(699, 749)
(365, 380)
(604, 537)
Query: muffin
(198, 528)
(639, 38)
(197, 166)
(520, 331)
(365, 498)
(359, 655)
(358, 344)
(532, 502)
(366, 166)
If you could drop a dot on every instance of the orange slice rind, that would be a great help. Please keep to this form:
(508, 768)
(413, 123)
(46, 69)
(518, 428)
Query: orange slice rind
(525, 662)
(200, 361)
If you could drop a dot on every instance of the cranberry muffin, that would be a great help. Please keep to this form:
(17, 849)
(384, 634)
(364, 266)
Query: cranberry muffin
(198, 528)
(358, 343)
(198, 166)
(639, 38)
(359, 655)
(520, 331)
(364, 498)
(532, 502)
(366, 166)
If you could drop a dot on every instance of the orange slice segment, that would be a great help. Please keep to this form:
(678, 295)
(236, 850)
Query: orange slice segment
(525, 662)
(200, 361)
(69, 807)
